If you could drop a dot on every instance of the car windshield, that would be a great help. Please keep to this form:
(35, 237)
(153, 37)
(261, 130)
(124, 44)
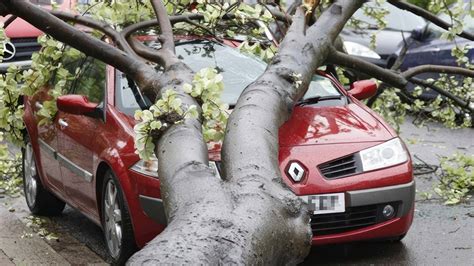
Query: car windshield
(238, 71)
(467, 21)
(396, 19)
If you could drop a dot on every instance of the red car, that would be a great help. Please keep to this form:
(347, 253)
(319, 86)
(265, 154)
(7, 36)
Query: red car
(335, 153)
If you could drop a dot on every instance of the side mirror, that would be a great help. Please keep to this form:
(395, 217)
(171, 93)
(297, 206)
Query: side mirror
(363, 89)
(77, 105)
(418, 34)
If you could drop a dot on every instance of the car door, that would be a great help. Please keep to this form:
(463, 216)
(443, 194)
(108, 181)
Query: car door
(48, 142)
(76, 137)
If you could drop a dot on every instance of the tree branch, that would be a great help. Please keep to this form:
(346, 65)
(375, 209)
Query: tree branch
(400, 80)
(143, 74)
(165, 25)
(126, 32)
(156, 56)
(9, 21)
(428, 16)
(461, 103)
(438, 69)
(100, 26)
(385, 75)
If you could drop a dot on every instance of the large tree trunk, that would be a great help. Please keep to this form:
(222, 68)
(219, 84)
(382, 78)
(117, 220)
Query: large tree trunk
(250, 217)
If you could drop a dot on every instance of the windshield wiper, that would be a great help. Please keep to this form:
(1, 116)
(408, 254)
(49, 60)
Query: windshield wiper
(316, 99)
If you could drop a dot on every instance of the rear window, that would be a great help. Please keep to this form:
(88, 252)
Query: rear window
(397, 19)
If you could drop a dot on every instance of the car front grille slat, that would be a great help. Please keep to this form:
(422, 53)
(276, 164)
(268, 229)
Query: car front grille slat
(338, 229)
(341, 167)
(25, 47)
(354, 218)
(345, 221)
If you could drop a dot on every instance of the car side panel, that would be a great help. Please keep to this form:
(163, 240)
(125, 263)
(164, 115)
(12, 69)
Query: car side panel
(48, 144)
(114, 146)
(76, 159)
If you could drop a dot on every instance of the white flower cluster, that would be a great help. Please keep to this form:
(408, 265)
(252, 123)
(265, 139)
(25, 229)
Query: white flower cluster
(207, 87)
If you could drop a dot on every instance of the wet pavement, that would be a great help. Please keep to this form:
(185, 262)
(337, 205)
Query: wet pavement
(440, 235)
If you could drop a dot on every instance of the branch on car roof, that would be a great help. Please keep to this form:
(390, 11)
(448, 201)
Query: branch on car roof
(385, 75)
(277, 15)
(162, 57)
(165, 25)
(432, 85)
(429, 16)
(100, 26)
(438, 69)
(143, 74)
(126, 32)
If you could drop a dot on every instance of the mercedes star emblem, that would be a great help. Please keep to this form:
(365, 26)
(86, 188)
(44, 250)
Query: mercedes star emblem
(9, 51)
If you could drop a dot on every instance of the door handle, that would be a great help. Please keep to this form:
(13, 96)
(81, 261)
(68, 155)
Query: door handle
(63, 123)
(38, 105)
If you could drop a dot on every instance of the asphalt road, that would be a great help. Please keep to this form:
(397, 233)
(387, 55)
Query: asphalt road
(440, 235)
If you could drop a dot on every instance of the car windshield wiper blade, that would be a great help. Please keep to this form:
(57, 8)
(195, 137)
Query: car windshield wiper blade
(317, 99)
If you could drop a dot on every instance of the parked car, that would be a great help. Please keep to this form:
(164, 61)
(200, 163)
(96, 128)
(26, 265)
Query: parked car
(427, 47)
(335, 153)
(389, 41)
(24, 38)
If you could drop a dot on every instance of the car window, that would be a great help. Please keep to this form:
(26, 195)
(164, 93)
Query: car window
(89, 75)
(124, 97)
(238, 71)
(91, 80)
(396, 19)
(467, 20)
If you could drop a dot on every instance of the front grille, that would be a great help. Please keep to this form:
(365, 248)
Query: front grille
(354, 218)
(25, 47)
(341, 167)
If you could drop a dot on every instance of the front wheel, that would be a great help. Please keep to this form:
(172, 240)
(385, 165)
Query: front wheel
(116, 222)
(39, 200)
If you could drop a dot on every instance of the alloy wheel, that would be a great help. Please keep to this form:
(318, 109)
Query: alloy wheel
(31, 183)
(113, 219)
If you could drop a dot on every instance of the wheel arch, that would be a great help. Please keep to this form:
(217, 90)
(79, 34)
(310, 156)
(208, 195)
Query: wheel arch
(119, 170)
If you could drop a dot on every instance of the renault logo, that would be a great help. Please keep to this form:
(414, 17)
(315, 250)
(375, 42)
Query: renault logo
(9, 51)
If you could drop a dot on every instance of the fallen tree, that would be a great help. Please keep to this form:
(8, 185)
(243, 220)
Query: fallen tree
(223, 220)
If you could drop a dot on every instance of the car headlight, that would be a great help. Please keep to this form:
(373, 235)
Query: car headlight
(356, 49)
(147, 167)
(150, 167)
(386, 154)
(217, 167)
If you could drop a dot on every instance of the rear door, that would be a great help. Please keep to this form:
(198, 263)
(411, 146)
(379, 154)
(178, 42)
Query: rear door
(76, 134)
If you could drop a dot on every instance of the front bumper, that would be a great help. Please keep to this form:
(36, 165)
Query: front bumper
(20, 64)
(363, 219)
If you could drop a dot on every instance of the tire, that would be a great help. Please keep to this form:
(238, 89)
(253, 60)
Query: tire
(397, 239)
(39, 200)
(116, 222)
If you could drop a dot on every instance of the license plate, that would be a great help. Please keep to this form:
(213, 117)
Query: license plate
(326, 203)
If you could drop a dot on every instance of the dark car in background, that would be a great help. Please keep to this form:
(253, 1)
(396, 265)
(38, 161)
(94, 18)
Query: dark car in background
(389, 41)
(427, 47)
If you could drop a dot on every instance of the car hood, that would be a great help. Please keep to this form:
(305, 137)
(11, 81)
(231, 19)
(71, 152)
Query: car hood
(388, 42)
(331, 125)
(440, 44)
(310, 125)
(20, 29)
